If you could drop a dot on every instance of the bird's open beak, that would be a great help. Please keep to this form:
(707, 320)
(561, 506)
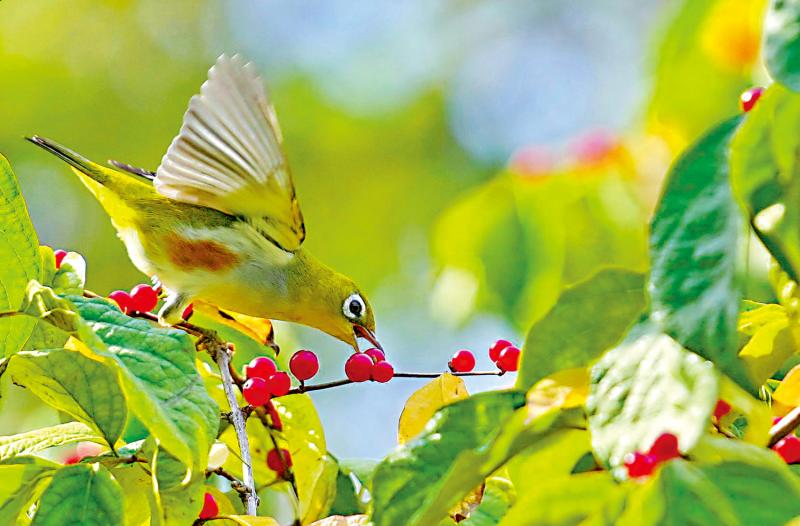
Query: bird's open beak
(362, 332)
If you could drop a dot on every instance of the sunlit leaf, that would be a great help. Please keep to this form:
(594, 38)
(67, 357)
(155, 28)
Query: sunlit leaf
(782, 42)
(498, 497)
(772, 340)
(81, 494)
(339, 520)
(567, 388)
(425, 401)
(44, 438)
(21, 480)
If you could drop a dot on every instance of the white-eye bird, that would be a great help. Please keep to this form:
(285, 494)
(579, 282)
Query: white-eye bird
(219, 220)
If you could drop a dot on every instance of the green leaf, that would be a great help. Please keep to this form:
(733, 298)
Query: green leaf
(498, 497)
(70, 278)
(647, 386)
(67, 380)
(694, 247)
(422, 479)
(81, 494)
(782, 42)
(180, 492)
(21, 480)
(587, 319)
(137, 485)
(566, 500)
(553, 457)
(47, 437)
(19, 252)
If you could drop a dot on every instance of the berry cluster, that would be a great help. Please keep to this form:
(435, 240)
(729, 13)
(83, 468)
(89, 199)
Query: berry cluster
(502, 352)
(369, 365)
(279, 462)
(264, 381)
(141, 298)
(664, 448)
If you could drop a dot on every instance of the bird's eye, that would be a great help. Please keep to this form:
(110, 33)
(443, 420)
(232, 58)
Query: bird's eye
(354, 307)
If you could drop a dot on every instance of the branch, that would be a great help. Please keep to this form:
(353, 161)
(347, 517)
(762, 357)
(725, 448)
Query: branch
(786, 425)
(236, 484)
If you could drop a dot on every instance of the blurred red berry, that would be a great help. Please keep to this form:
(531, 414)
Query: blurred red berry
(72, 459)
(60, 255)
(749, 98)
(640, 464)
(595, 146)
(508, 359)
(382, 372)
(260, 367)
(494, 350)
(279, 384)
(776, 420)
(665, 447)
(279, 462)
(358, 367)
(788, 448)
(376, 355)
(304, 365)
(143, 298)
(462, 361)
(210, 508)
(122, 299)
(722, 408)
(256, 391)
(188, 311)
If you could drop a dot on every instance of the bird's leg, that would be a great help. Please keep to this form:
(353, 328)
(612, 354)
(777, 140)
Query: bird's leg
(171, 312)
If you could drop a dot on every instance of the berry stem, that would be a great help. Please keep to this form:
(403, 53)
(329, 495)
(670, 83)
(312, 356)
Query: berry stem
(236, 484)
(786, 425)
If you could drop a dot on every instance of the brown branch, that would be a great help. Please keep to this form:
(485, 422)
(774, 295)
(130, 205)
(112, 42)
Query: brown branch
(786, 425)
(236, 484)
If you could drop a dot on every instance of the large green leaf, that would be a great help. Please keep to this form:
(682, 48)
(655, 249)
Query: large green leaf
(21, 479)
(498, 497)
(47, 437)
(694, 243)
(647, 386)
(782, 42)
(179, 497)
(587, 319)
(82, 494)
(422, 479)
(67, 380)
(19, 252)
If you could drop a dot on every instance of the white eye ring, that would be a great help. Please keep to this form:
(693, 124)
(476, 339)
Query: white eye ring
(354, 302)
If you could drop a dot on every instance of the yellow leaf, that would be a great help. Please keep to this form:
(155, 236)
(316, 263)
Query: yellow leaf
(341, 520)
(247, 520)
(772, 340)
(788, 392)
(564, 389)
(223, 501)
(258, 329)
(425, 401)
(759, 418)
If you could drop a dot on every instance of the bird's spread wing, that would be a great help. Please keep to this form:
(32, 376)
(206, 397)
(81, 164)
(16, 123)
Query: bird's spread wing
(228, 155)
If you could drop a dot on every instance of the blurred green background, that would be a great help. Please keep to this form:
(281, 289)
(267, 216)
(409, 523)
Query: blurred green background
(462, 160)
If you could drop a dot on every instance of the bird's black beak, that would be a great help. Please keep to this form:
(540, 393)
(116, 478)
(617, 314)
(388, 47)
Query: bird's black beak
(362, 332)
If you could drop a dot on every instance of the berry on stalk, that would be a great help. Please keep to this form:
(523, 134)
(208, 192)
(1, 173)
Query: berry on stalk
(59, 255)
(260, 367)
(256, 391)
(721, 409)
(376, 355)
(462, 361)
(358, 367)
(143, 298)
(382, 372)
(277, 464)
(640, 464)
(304, 365)
(749, 98)
(665, 447)
(279, 383)
(210, 508)
(187, 312)
(788, 448)
(494, 350)
(122, 299)
(508, 360)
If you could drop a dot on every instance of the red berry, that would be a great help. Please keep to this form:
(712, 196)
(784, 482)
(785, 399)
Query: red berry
(260, 367)
(665, 447)
(788, 448)
(722, 408)
(279, 462)
(279, 383)
(640, 464)
(256, 391)
(358, 367)
(72, 459)
(749, 98)
(304, 365)
(210, 508)
(776, 420)
(122, 299)
(376, 355)
(462, 362)
(144, 298)
(188, 311)
(60, 255)
(508, 359)
(494, 350)
(382, 372)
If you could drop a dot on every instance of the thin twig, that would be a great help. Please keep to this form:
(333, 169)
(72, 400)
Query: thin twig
(786, 425)
(236, 484)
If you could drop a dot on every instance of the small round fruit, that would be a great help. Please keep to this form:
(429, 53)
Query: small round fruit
(462, 361)
(279, 383)
(210, 508)
(789, 449)
(749, 98)
(376, 354)
(358, 367)
(382, 372)
(722, 408)
(59, 255)
(494, 350)
(144, 298)
(256, 391)
(304, 365)
(260, 367)
(279, 462)
(188, 311)
(122, 299)
(640, 464)
(665, 447)
(508, 360)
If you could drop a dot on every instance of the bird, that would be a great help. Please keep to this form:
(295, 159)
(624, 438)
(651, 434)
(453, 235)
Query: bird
(219, 220)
